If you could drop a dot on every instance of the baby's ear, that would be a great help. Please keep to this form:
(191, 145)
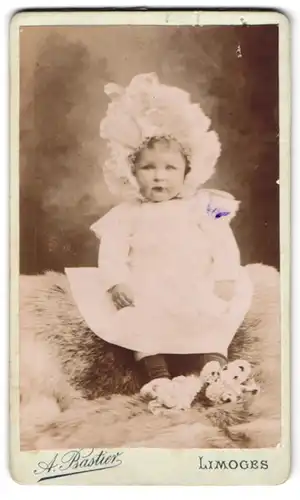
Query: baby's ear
(222, 205)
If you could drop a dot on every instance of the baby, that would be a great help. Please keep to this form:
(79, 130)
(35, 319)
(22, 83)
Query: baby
(169, 279)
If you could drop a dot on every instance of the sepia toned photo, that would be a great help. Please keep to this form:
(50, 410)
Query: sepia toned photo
(150, 303)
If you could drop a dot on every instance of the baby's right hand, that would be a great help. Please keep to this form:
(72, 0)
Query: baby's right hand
(122, 295)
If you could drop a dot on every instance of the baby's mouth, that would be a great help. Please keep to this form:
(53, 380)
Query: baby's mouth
(158, 189)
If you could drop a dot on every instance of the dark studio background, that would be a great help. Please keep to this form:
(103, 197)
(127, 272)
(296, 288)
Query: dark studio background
(62, 74)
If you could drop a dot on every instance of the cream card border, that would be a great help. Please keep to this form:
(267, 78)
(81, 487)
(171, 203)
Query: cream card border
(156, 466)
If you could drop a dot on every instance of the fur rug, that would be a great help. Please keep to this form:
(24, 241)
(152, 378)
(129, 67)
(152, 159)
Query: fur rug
(78, 391)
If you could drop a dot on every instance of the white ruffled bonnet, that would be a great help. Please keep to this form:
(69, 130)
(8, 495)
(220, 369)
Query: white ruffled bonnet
(145, 109)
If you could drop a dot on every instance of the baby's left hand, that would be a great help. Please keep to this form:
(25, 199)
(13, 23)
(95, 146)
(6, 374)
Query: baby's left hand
(224, 289)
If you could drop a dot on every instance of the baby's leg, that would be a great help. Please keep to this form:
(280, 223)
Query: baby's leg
(154, 366)
(211, 373)
(193, 364)
(220, 380)
(159, 388)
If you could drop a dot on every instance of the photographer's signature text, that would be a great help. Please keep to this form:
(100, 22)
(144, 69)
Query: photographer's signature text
(77, 462)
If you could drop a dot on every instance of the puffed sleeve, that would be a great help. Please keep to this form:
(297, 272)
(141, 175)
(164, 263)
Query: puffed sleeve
(113, 231)
(220, 208)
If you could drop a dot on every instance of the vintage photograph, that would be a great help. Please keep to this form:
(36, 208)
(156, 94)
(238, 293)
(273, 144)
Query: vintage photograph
(149, 258)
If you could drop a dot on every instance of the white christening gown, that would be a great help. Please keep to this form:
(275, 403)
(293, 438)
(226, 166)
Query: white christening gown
(170, 254)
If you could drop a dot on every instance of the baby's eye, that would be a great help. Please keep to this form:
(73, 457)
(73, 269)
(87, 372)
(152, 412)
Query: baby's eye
(170, 167)
(147, 167)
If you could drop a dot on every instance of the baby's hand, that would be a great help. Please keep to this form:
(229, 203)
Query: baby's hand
(224, 289)
(121, 295)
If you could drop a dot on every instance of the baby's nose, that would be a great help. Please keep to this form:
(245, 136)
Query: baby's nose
(159, 175)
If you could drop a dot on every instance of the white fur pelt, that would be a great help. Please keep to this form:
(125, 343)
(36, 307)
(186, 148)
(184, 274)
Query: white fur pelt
(78, 391)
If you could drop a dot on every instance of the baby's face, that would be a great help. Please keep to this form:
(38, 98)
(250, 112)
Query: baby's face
(160, 171)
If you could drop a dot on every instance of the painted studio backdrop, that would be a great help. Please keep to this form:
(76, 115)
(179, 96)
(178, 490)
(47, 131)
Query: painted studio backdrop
(231, 71)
